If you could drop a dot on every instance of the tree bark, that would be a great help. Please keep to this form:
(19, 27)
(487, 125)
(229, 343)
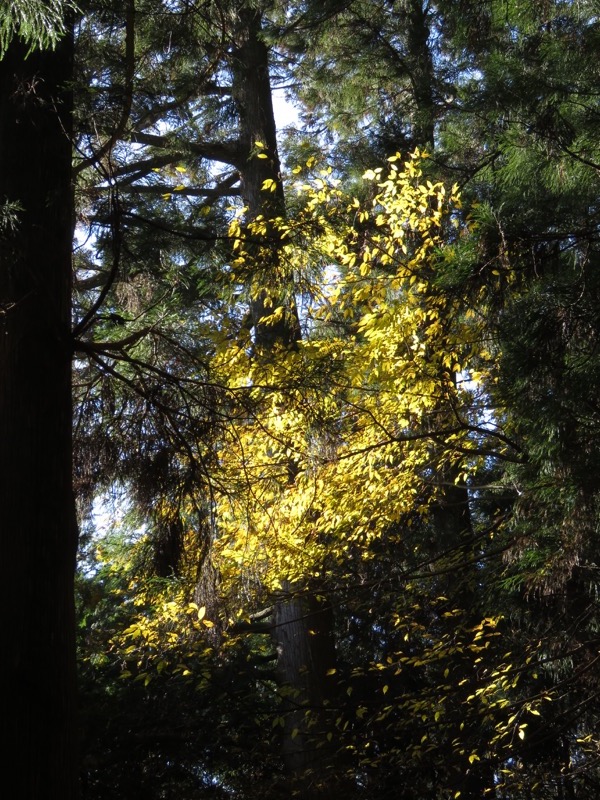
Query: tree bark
(422, 74)
(301, 625)
(251, 91)
(38, 530)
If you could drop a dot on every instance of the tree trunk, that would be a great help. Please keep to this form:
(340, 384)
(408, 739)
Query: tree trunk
(302, 625)
(38, 532)
(422, 74)
(251, 91)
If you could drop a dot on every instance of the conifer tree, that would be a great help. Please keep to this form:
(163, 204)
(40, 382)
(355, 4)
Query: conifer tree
(39, 530)
(224, 116)
(464, 637)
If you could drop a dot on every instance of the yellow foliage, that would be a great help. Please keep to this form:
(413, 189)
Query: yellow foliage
(339, 433)
(332, 443)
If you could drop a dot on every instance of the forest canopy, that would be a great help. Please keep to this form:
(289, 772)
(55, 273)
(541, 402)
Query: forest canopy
(333, 390)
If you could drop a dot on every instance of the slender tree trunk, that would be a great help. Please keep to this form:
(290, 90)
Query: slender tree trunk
(38, 529)
(251, 92)
(422, 74)
(301, 625)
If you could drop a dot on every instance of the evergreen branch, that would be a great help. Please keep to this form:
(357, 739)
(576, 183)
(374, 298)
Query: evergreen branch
(228, 152)
(186, 233)
(115, 224)
(188, 191)
(109, 347)
(127, 91)
(157, 113)
(39, 23)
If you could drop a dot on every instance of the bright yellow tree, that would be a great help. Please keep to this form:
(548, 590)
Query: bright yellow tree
(351, 437)
(353, 410)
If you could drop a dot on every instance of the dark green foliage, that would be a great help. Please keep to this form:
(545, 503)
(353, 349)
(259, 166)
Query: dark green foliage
(505, 98)
(203, 733)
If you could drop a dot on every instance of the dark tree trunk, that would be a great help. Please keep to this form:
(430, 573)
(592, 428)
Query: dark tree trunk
(251, 91)
(38, 529)
(302, 625)
(422, 74)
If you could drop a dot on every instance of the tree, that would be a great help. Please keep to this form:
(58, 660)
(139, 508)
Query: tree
(235, 84)
(366, 450)
(39, 530)
(418, 471)
(513, 105)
